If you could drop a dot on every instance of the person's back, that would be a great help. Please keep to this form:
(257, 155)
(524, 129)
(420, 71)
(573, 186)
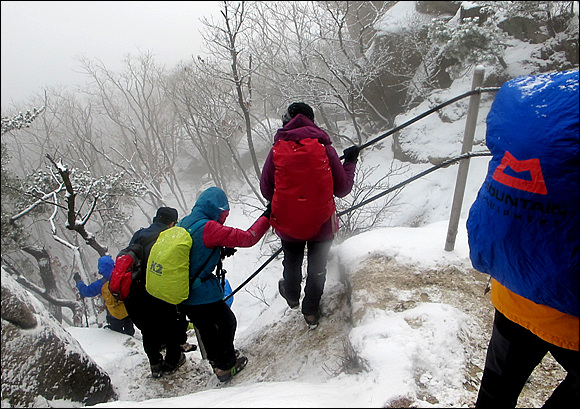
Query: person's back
(523, 231)
(205, 307)
(117, 317)
(158, 321)
(302, 192)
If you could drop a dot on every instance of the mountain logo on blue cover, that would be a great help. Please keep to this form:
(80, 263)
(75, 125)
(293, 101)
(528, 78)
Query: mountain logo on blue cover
(525, 175)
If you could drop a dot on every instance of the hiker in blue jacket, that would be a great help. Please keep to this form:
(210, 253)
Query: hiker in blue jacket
(205, 307)
(523, 232)
(117, 317)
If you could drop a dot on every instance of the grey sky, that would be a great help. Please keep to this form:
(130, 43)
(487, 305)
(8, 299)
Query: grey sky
(41, 39)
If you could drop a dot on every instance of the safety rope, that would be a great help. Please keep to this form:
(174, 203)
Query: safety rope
(443, 164)
(478, 90)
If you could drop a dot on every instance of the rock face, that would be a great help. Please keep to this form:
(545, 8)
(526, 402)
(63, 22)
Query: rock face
(40, 359)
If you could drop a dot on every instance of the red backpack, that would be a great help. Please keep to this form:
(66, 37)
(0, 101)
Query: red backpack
(303, 196)
(128, 269)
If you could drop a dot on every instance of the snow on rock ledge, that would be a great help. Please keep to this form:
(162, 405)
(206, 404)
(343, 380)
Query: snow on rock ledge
(40, 359)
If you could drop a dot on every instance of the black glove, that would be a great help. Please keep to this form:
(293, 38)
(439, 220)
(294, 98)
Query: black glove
(77, 277)
(227, 252)
(268, 212)
(351, 154)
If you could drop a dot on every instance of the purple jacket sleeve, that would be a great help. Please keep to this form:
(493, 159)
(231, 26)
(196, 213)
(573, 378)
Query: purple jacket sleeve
(342, 174)
(267, 179)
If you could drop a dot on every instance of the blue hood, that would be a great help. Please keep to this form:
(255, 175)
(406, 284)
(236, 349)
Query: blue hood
(105, 266)
(210, 205)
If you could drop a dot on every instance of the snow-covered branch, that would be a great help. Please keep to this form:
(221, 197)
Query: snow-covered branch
(42, 200)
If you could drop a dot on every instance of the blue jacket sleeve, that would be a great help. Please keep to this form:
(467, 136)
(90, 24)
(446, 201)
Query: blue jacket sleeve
(90, 290)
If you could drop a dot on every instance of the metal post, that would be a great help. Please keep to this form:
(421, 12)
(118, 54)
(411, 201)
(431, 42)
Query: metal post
(468, 136)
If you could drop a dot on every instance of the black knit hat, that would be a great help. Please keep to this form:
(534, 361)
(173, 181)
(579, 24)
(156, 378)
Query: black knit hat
(166, 215)
(295, 109)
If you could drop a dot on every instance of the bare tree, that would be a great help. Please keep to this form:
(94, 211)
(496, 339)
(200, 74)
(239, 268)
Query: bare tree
(54, 303)
(366, 185)
(311, 52)
(203, 105)
(226, 41)
(13, 237)
(143, 130)
(75, 193)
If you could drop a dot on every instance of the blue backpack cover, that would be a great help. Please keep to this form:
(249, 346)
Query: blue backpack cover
(523, 226)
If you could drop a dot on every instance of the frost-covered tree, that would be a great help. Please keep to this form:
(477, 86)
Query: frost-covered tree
(20, 120)
(15, 238)
(33, 208)
(319, 53)
(470, 42)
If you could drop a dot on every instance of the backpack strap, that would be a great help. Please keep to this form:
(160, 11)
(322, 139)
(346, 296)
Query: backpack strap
(201, 268)
(191, 230)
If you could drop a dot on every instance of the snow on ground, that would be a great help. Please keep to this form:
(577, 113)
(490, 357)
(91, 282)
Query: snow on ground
(416, 355)
(420, 354)
(391, 347)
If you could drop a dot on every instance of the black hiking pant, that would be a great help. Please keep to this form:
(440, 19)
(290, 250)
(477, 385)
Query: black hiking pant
(159, 324)
(316, 272)
(512, 355)
(124, 326)
(216, 325)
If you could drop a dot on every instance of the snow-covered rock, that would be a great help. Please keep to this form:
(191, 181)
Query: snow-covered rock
(40, 359)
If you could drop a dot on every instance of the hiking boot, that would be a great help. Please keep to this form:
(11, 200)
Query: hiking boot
(236, 352)
(169, 369)
(282, 289)
(225, 374)
(311, 320)
(187, 347)
(156, 371)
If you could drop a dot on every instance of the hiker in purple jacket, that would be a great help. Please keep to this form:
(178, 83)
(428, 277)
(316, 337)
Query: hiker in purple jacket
(298, 125)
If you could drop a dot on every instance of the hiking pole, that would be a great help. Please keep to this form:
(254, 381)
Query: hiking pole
(272, 257)
(85, 308)
(200, 343)
(424, 114)
(443, 164)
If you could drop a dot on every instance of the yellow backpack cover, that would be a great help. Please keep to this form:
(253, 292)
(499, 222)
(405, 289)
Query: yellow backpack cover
(116, 308)
(167, 276)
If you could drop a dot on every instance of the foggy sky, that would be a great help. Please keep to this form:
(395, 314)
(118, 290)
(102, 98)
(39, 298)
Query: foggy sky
(40, 40)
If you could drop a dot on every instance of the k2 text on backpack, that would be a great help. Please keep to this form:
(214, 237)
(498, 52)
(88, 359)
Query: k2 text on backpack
(167, 276)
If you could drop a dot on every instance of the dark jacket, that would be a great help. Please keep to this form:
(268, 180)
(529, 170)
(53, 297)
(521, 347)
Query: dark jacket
(147, 235)
(145, 310)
